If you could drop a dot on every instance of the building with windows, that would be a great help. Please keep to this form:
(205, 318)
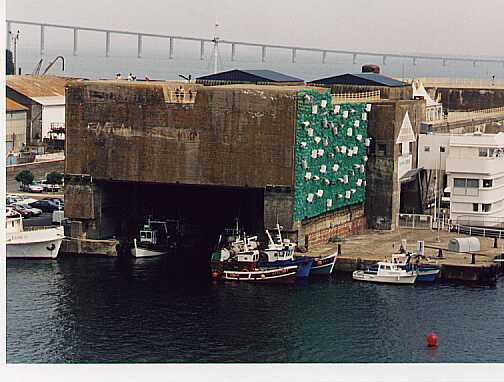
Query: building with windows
(15, 128)
(474, 167)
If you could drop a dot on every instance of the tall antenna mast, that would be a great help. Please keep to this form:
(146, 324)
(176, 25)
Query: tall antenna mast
(216, 48)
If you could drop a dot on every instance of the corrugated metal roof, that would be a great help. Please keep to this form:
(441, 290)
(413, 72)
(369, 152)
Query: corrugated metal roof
(11, 105)
(253, 75)
(37, 86)
(50, 101)
(370, 79)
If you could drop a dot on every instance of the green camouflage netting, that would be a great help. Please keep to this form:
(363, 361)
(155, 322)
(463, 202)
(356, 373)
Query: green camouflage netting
(331, 154)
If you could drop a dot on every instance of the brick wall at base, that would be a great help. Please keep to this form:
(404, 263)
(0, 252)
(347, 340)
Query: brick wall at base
(354, 227)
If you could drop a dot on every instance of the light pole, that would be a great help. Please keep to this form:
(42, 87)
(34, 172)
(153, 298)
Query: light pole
(14, 39)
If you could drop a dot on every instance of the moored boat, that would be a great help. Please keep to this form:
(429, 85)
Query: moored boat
(280, 253)
(158, 237)
(323, 265)
(386, 272)
(426, 272)
(272, 275)
(31, 242)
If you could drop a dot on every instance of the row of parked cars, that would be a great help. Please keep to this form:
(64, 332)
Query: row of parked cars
(28, 207)
(41, 186)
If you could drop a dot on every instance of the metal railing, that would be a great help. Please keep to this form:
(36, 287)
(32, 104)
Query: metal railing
(356, 97)
(475, 114)
(415, 221)
(458, 82)
(477, 231)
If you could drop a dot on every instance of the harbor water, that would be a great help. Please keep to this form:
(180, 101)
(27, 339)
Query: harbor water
(149, 310)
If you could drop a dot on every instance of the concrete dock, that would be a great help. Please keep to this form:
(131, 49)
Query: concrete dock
(372, 246)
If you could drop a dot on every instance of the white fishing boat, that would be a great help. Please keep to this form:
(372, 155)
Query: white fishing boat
(158, 237)
(386, 273)
(31, 242)
(279, 250)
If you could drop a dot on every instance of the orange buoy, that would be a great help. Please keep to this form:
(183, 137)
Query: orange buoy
(215, 275)
(318, 263)
(432, 340)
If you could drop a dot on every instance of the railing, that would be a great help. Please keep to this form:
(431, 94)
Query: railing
(458, 82)
(415, 221)
(476, 114)
(478, 231)
(39, 227)
(356, 97)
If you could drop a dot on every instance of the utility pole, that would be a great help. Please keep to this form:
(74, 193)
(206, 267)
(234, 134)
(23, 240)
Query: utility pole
(14, 38)
(216, 49)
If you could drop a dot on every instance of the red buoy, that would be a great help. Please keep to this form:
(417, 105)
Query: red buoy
(432, 340)
(318, 263)
(215, 275)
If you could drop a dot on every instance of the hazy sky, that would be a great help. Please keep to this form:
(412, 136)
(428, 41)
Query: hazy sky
(425, 26)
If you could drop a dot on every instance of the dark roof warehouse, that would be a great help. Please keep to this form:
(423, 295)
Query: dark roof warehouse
(260, 76)
(363, 79)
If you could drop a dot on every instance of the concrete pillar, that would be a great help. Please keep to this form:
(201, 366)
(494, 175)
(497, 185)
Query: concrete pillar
(263, 54)
(42, 40)
(233, 52)
(75, 35)
(107, 44)
(474, 63)
(294, 55)
(139, 46)
(414, 61)
(384, 60)
(324, 56)
(8, 35)
(202, 50)
(171, 48)
(444, 62)
(354, 58)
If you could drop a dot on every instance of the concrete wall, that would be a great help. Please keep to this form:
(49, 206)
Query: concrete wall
(230, 136)
(383, 187)
(466, 99)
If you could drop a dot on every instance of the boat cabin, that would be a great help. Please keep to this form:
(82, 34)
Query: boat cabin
(13, 221)
(157, 232)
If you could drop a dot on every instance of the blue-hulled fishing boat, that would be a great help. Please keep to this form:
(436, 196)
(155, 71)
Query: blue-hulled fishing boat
(323, 265)
(280, 253)
(425, 272)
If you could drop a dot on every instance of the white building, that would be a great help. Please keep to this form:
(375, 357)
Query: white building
(474, 165)
(53, 113)
(433, 109)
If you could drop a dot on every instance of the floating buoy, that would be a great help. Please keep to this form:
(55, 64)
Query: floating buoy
(432, 340)
(318, 263)
(215, 275)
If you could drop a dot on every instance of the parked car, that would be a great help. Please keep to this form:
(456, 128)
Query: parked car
(45, 205)
(58, 201)
(48, 187)
(34, 211)
(22, 210)
(34, 187)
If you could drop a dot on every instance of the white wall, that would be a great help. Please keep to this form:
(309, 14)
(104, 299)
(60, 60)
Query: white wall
(429, 160)
(51, 114)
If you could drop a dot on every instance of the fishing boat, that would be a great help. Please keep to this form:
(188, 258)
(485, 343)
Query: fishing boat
(156, 238)
(280, 253)
(426, 272)
(280, 275)
(323, 265)
(386, 272)
(31, 242)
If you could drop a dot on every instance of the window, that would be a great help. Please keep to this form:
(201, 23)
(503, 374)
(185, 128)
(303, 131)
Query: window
(381, 149)
(463, 186)
(426, 149)
(475, 207)
(487, 183)
(491, 153)
(486, 207)
(483, 152)
(442, 149)
(411, 147)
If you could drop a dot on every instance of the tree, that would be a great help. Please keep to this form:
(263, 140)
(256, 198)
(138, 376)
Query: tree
(25, 177)
(55, 177)
(9, 63)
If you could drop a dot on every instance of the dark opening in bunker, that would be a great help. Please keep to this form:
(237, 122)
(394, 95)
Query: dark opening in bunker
(204, 211)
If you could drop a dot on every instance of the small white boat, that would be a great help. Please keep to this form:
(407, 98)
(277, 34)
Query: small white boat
(156, 238)
(386, 273)
(32, 242)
